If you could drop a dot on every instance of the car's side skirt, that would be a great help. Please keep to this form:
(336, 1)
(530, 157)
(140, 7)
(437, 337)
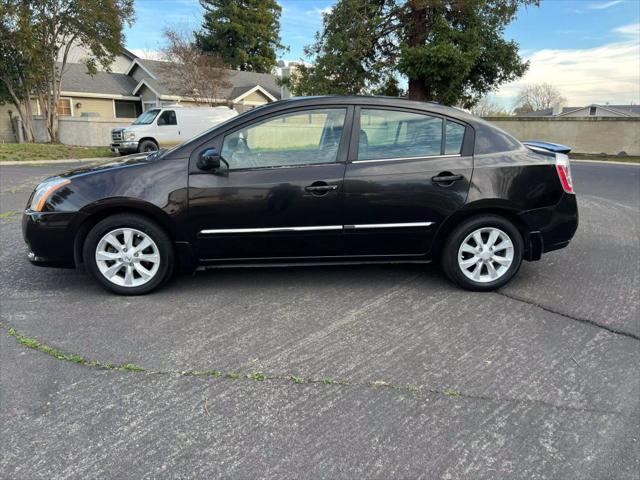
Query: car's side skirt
(310, 263)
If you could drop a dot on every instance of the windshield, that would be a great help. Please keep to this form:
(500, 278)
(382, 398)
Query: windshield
(147, 117)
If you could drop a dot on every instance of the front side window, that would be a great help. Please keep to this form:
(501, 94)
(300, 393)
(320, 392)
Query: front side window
(300, 138)
(168, 117)
(396, 134)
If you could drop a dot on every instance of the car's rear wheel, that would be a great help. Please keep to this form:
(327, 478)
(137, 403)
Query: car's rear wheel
(483, 253)
(128, 254)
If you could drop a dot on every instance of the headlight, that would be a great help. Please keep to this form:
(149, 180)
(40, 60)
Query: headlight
(128, 136)
(44, 191)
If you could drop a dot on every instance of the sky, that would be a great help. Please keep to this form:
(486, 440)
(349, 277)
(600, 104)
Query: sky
(588, 49)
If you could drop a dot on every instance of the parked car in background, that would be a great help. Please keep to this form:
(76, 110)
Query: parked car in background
(318, 180)
(166, 127)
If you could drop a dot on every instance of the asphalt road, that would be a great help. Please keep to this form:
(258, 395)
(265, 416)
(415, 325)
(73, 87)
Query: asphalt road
(380, 372)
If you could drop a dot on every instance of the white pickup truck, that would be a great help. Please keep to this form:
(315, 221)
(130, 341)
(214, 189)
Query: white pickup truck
(165, 127)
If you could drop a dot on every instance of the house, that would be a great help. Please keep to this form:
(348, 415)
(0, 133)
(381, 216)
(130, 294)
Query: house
(156, 86)
(134, 85)
(593, 110)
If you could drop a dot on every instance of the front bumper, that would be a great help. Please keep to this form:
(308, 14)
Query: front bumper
(50, 237)
(553, 227)
(124, 147)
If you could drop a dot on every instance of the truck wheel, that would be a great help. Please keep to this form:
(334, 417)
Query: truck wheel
(128, 254)
(483, 253)
(147, 146)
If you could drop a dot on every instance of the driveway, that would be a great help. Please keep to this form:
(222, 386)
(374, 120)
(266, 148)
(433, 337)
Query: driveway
(341, 372)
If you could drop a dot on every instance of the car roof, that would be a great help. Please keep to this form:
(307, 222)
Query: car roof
(365, 100)
(476, 123)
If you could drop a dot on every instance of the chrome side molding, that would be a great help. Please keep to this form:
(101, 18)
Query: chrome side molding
(315, 228)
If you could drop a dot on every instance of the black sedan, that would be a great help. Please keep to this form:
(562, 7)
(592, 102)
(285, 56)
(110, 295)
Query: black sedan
(313, 181)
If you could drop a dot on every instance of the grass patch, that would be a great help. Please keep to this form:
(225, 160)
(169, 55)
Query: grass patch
(605, 158)
(10, 214)
(11, 152)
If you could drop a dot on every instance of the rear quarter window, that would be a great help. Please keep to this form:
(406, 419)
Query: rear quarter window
(454, 136)
(490, 139)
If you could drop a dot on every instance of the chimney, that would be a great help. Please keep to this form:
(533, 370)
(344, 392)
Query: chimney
(557, 109)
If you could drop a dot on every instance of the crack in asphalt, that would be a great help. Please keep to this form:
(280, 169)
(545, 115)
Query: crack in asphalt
(593, 323)
(414, 390)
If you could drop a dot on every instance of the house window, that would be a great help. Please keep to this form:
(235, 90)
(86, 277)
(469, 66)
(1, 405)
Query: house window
(64, 107)
(592, 111)
(126, 109)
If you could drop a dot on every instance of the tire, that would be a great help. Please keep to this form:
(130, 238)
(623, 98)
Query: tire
(462, 255)
(128, 267)
(147, 146)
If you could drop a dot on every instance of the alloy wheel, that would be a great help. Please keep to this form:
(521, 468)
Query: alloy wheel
(485, 254)
(127, 257)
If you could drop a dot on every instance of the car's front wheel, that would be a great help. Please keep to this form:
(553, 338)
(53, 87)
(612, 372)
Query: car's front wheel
(128, 254)
(483, 253)
(147, 146)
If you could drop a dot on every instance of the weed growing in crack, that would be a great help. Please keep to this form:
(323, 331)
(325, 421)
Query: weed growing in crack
(256, 376)
(452, 393)
(130, 367)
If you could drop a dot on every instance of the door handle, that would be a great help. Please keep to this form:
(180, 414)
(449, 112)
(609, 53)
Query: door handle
(446, 177)
(320, 188)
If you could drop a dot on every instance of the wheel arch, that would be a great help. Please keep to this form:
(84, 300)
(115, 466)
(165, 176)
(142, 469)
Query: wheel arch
(97, 212)
(151, 139)
(498, 207)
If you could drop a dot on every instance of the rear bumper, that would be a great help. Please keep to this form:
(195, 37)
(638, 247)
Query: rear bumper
(50, 237)
(551, 228)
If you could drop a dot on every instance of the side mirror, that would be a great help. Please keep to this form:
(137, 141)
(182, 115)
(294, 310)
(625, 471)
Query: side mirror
(209, 160)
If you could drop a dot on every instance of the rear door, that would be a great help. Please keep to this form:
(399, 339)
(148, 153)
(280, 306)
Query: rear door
(407, 172)
(281, 195)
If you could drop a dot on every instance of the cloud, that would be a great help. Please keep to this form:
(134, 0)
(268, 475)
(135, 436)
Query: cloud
(148, 54)
(608, 73)
(320, 11)
(632, 30)
(602, 6)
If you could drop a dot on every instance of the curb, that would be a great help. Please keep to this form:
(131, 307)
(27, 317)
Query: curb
(601, 161)
(55, 162)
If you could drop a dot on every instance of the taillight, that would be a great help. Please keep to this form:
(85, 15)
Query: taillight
(564, 172)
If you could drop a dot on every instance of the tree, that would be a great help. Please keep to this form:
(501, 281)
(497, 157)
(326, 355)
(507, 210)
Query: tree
(45, 31)
(21, 69)
(198, 75)
(245, 33)
(536, 97)
(451, 51)
(485, 107)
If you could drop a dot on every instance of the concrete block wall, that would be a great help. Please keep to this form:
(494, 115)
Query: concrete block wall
(86, 132)
(610, 135)
(6, 133)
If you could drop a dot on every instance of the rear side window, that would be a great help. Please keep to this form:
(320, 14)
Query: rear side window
(168, 117)
(396, 134)
(454, 135)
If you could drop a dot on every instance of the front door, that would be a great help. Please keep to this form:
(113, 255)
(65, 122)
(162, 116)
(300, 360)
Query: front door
(281, 194)
(168, 132)
(407, 173)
